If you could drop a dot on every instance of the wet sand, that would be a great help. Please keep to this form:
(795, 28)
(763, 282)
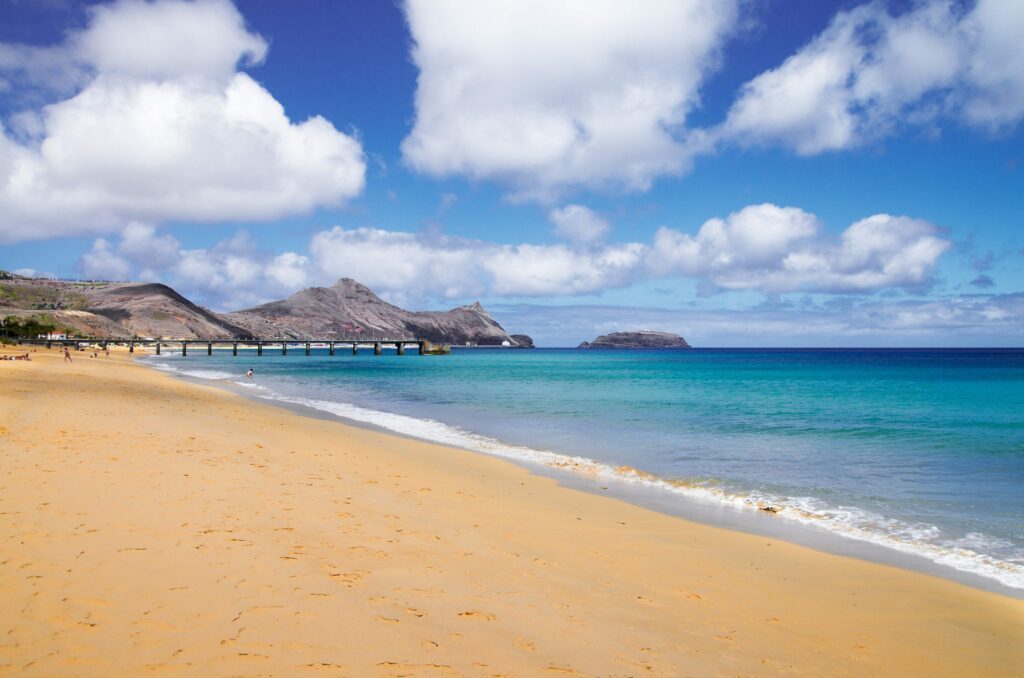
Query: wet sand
(149, 524)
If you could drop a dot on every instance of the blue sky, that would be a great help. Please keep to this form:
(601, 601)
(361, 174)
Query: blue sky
(748, 173)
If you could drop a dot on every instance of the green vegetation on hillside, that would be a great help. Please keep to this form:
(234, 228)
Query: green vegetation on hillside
(39, 297)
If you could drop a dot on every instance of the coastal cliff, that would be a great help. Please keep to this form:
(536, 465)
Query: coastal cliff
(637, 339)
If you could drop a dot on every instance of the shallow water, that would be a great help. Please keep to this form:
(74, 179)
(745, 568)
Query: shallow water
(918, 450)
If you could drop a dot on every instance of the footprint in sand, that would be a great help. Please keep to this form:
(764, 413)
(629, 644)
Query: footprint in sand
(474, 614)
(524, 645)
(348, 579)
(327, 666)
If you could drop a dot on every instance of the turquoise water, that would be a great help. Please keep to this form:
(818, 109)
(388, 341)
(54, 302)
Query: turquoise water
(919, 450)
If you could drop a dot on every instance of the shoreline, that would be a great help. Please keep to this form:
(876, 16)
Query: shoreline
(635, 487)
(307, 544)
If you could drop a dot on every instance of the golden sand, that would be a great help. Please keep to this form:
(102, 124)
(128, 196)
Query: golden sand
(148, 524)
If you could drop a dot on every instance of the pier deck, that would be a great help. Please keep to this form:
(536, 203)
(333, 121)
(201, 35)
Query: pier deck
(332, 345)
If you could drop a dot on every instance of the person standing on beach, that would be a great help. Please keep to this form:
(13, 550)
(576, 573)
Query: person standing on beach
(67, 356)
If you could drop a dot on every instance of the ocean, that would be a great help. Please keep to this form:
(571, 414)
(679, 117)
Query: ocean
(917, 451)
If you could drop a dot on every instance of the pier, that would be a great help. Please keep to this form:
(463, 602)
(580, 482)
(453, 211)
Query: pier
(207, 345)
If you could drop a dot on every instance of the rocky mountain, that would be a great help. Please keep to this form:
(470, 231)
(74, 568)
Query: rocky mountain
(111, 309)
(637, 339)
(348, 309)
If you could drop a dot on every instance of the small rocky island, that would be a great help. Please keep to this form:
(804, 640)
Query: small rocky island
(637, 339)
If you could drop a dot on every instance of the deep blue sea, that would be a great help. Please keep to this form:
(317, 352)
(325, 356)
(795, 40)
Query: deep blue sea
(921, 451)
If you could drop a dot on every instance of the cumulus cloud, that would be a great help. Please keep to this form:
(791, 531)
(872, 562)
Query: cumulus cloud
(761, 247)
(233, 273)
(166, 128)
(103, 263)
(544, 96)
(579, 224)
(396, 262)
(779, 249)
(546, 270)
(162, 40)
(871, 72)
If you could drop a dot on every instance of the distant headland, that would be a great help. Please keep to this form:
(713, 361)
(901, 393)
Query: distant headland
(637, 339)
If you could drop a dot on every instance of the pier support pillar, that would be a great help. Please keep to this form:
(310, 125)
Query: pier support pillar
(48, 345)
(376, 348)
(284, 348)
(234, 348)
(401, 348)
(157, 348)
(307, 348)
(259, 348)
(131, 347)
(355, 348)
(209, 348)
(184, 348)
(421, 349)
(330, 348)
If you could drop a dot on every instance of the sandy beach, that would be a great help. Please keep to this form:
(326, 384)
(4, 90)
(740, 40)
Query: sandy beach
(152, 525)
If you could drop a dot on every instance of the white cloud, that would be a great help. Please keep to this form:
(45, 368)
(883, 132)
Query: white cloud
(996, 65)
(168, 130)
(549, 270)
(139, 253)
(289, 270)
(761, 247)
(396, 263)
(545, 96)
(778, 249)
(579, 224)
(168, 39)
(141, 245)
(103, 263)
(871, 72)
(33, 273)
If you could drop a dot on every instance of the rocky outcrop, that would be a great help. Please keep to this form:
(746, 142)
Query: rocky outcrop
(348, 309)
(637, 339)
(522, 341)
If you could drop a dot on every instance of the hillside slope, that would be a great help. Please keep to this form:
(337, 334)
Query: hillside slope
(344, 310)
(349, 309)
(112, 309)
